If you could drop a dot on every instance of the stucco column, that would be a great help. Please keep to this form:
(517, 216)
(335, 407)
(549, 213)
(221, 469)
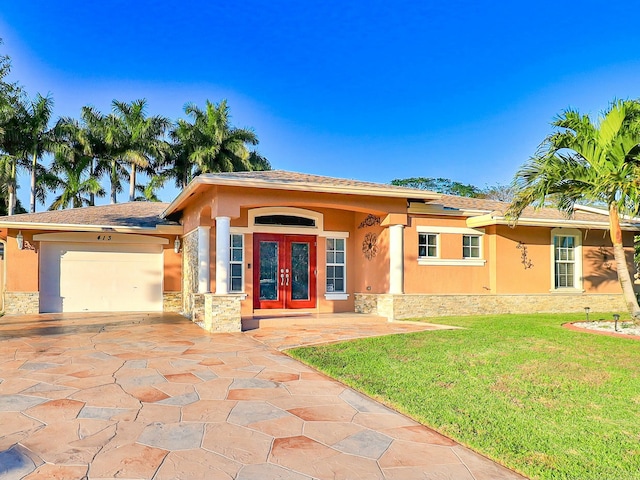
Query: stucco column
(396, 259)
(223, 233)
(203, 259)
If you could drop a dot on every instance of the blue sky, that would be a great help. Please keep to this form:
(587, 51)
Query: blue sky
(368, 90)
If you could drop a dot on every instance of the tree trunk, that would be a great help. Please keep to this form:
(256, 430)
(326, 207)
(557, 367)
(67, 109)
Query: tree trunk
(624, 277)
(32, 203)
(92, 196)
(12, 188)
(132, 183)
(114, 181)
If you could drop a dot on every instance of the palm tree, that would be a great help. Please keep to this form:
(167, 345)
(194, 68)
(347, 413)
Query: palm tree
(36, 137)
(258, 162)
(142, 137)
(179, 165)
(106, 135)
(74, 180)
(7, 182)
(210, 143)
(9, 158)
(72, 168)
(92, 138)
(10, 96)
(148, 192)
(596, 162)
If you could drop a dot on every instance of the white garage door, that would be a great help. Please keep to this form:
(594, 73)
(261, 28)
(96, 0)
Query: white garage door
(94, 277)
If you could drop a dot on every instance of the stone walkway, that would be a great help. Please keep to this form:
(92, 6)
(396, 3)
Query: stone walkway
(152, 396)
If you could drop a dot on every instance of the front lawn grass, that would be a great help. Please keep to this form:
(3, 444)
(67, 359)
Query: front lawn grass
(546, 401)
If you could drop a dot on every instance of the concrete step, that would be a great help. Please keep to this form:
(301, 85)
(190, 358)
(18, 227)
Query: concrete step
(283, 320)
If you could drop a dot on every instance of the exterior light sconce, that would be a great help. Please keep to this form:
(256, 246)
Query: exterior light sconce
(20, 240)
(176, 245)
(586, 312)
(616, 317)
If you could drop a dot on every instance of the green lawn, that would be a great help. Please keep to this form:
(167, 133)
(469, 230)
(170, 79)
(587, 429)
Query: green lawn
(543, 400)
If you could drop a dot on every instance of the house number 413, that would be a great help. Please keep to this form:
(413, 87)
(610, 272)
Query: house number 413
(104, 238)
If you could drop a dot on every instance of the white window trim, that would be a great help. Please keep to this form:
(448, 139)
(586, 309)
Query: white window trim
(480, 246)
(231, 262)
(454, 230)
(437, 255)
(293, 211)
(577, 280)
(337, 295)
(330, 234)
(453, 262)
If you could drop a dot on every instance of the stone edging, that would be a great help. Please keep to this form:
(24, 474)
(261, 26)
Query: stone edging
(571, 326)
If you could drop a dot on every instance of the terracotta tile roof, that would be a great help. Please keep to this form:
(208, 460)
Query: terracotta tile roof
(499, 208)
(132, 214)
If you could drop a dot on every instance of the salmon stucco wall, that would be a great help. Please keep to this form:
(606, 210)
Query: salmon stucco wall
(172, 268)
(196, 212)
(230, 202)
(524, 260)
(599, 266)
(434, 279)
(22, 265)
(372, 269)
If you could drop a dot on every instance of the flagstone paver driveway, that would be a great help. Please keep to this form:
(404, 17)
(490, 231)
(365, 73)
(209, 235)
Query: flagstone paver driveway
(152, 396)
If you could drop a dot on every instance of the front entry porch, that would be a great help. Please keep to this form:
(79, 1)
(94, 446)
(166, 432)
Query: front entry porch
(284, 274)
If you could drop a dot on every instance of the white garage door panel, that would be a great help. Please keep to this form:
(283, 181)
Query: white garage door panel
(100, 278)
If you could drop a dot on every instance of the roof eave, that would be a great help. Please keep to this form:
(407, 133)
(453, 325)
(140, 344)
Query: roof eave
(418, 208)
(487, 220)
(181, 198)
(293, 186)
(66, 227)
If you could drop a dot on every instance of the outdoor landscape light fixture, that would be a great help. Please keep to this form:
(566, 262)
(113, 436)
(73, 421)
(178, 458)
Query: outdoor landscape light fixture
(20, 240)
(616, 317)
(586, 311)
(176, 245)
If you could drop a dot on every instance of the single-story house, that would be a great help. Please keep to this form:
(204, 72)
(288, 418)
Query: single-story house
(244, 244)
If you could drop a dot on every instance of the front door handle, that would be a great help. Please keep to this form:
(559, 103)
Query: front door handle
(287, 276)
(282, 277)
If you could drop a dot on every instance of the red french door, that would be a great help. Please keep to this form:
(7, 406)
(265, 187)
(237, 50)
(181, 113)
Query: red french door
(284, 273)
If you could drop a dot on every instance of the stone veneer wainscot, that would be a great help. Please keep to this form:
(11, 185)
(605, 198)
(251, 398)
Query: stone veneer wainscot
(190, 272)
(396, 307)
(21, 303)
(218, 313)
(172, 302)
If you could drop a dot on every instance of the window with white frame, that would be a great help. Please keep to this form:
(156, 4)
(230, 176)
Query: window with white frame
(336, 265)
(236, 263)
(428, 245)
(565, 261)
(471, 246)
(434, 246)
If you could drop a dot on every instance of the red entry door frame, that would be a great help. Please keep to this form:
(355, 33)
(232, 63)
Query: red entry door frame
(284, 272)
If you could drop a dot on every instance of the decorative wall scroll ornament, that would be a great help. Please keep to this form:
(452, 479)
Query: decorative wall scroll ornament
(29, 246)
(524, 258)
(370, 221)
(370, 245)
